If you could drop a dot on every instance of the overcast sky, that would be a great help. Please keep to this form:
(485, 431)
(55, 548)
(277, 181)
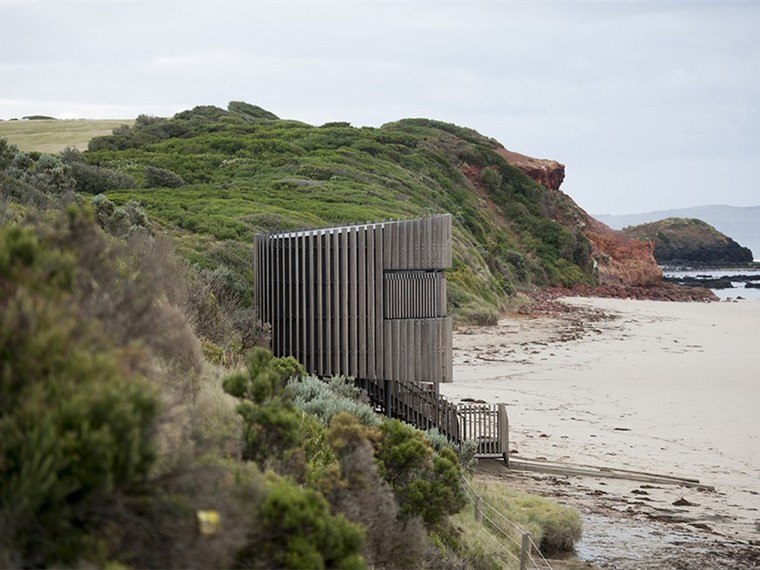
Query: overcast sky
(650, 105)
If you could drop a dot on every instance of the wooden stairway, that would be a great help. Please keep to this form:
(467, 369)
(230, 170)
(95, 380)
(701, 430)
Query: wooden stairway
(421, 406)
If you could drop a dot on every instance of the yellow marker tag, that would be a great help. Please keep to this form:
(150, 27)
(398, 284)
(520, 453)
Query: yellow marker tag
(208, 522)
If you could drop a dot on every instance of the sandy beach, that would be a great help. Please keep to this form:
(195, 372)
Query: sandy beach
(657, 387)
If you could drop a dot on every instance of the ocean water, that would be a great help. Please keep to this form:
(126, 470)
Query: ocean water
(738, 290)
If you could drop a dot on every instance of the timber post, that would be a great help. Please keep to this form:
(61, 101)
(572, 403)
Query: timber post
(524, 551)
(503, 421)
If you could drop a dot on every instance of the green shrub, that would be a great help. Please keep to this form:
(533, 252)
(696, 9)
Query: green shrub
(288, 367)
(133, 287)
(75, 425)
(97, 179)
(250, 111)
(119, 221)
(44, 172)
(162, 178)
(465, 451)
(294, 529)
(212, 352)
(491, 178)
(326, 399)
(426, 484)
(359, 491)
(270, 423)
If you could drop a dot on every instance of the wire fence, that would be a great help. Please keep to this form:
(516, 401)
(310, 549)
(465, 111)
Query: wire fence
(501, 536)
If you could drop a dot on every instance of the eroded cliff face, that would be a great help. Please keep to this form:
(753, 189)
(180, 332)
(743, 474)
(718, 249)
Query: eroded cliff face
(548, 173)
(621, 261)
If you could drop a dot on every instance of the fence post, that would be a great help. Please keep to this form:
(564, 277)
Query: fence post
(503, 421)
(478, 512)
(524, 550)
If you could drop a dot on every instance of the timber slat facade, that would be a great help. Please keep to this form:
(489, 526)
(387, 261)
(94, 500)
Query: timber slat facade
(367, 301)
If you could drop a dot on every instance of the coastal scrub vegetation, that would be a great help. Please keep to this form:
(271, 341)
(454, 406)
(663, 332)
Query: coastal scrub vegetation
(136, 397)
(213, 178)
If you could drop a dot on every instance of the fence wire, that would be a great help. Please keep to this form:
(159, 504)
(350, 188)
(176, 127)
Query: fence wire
(479, 502)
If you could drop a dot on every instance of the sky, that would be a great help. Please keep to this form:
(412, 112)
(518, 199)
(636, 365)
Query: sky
(650, 105)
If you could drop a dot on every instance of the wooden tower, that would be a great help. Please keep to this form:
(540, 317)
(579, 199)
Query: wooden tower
(367, 300)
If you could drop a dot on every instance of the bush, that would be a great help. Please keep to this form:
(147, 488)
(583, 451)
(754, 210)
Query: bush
(288, 368)
(426, 484)
(250, 111)
(359, 492)
(96, 179)
(132, 287)
(480, 316)
(117, 220)
(270, 424)
(43, 172)
(159, 527)
(327, 399)
(466, 451)
(76, 424)
(491, 178)
(162, 178)
(294, 529)
(212, 352)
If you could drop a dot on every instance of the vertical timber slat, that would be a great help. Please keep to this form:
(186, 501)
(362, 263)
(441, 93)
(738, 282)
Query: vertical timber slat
(369, 301)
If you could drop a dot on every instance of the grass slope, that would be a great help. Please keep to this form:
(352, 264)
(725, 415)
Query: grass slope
(54, 135)
(230, 174)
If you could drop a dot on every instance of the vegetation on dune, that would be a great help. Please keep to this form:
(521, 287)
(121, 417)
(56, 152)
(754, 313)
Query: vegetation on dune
(226, 175)
(506, 514)
(135, 396)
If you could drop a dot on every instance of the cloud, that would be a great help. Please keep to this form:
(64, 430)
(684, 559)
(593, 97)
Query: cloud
(623, 93)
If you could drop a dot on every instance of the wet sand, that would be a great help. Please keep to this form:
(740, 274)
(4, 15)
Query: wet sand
(661, 387)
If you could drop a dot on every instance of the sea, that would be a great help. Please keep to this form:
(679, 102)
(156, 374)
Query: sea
(740, 277)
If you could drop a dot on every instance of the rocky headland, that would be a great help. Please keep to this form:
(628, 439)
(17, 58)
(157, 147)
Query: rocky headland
(626, 267)
(690, 242)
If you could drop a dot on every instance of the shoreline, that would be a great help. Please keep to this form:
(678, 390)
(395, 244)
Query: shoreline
(647, 385)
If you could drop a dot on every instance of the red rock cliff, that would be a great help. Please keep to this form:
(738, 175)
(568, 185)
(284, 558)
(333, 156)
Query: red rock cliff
(549, 173)
(621, 261)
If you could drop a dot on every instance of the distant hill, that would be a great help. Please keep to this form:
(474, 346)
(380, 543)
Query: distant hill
(689, 241)
(741, 224)
(54, 135)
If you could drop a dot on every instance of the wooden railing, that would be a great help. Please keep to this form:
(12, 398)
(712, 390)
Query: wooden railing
(423, 407)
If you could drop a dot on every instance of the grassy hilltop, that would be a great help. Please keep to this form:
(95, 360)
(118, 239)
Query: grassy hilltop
(54, 135)
(215, 177)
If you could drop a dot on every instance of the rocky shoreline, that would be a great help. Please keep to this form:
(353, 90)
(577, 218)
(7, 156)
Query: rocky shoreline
(722, 282)
(663, 291)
